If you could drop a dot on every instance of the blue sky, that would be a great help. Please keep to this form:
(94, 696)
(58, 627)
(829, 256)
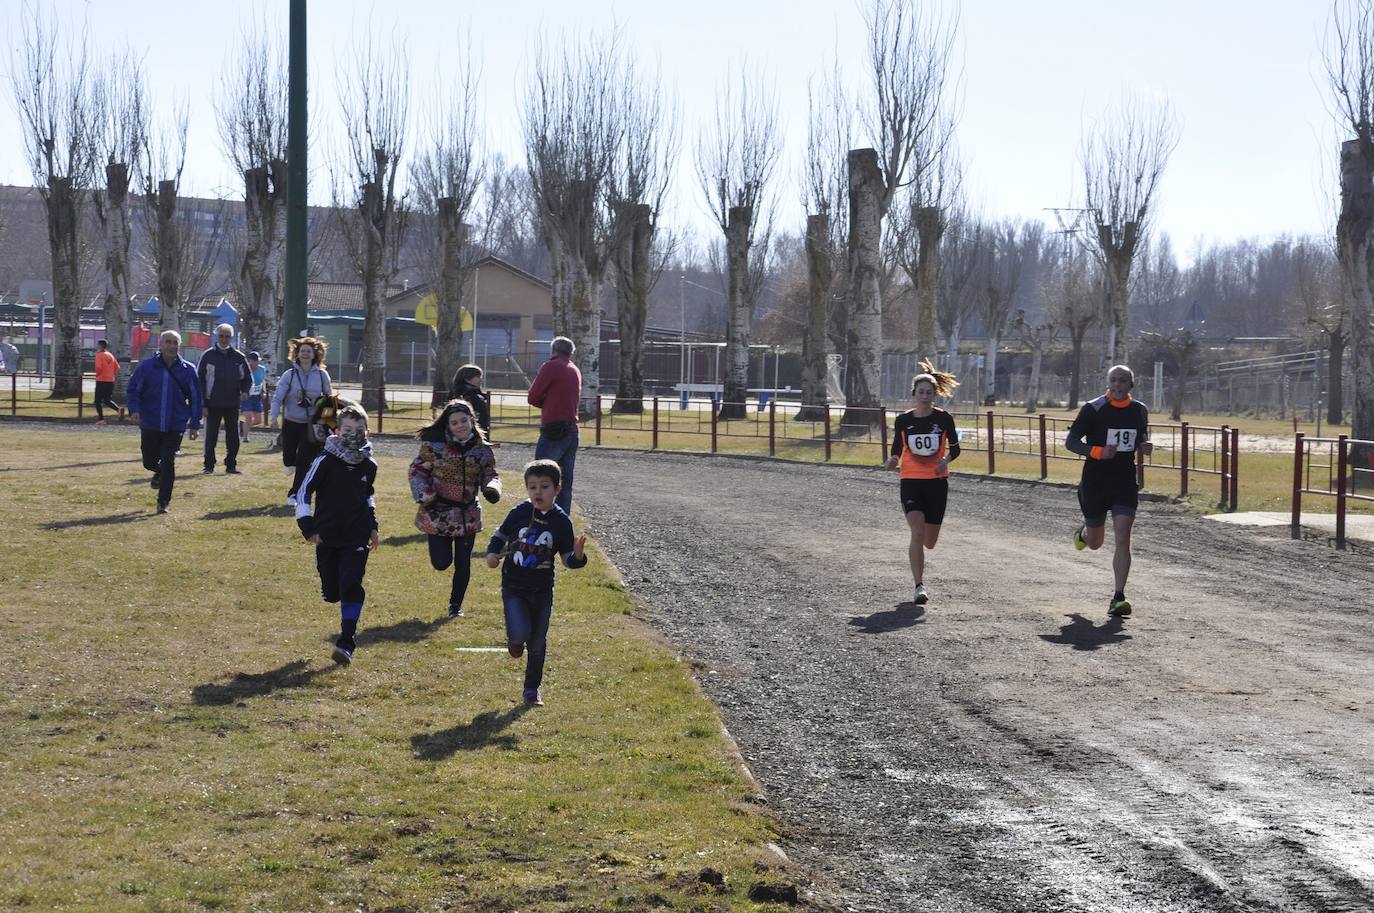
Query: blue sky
(1245, 79)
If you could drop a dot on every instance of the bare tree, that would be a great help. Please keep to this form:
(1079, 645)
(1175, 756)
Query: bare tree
(908, 116)
(119, 144)
(1073, 292)
(374, 99)
(649, 146)
(184, 243)
(824, 197)
(736, 157)
(54, 94)
(966, 257)
(573, 126)
(1350, 74)
(1014, 252)
(1037, 337)
(1322, 290)
(252, 111)
(448, 175)
(1123, 159)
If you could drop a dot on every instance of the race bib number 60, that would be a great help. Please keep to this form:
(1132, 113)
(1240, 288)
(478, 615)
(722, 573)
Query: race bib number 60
(1123, 438)
(923, 444)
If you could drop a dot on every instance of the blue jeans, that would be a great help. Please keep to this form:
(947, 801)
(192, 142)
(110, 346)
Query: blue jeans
(563, 452)
(527, 622)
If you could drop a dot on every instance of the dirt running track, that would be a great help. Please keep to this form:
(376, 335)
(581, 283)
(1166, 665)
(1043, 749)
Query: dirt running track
(1009, 748)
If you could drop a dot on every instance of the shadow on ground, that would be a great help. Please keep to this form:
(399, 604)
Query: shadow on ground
(89, 465)
(903, 615)
(295, 674)
(1081, 634)
(485, 729)
(405, 540)
(130, 517)
(264, 511)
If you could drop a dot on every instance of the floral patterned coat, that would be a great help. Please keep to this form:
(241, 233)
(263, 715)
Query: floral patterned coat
(454, 475)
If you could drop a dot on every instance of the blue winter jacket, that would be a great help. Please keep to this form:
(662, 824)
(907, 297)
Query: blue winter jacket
(166, 398)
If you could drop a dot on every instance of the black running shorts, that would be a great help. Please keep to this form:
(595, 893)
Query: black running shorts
(1097, 499)
(927, 496)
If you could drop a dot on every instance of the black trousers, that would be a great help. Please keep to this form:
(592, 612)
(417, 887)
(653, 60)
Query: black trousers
(297, 450)
(160, 456)
(341, 572)
(230, 418)
(444, 551)
(104, 396)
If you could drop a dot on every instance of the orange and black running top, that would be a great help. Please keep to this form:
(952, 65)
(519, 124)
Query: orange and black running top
(1104, 421)
(921, 441)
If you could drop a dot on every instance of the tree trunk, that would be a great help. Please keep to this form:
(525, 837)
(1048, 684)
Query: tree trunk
(1355, 247)
(930, 229)
(66, 287)
(634, 268)
(1075, 365)
(261, 307)
(1119, 275)
(865, 297)
(738, 310)
(169, 256)
(1335, 367)
(448, 331)
(373, 276)
(990, 370)
(820, 268)
(584, 329)
(1184, 368)
(1033, 390)
(116, 222)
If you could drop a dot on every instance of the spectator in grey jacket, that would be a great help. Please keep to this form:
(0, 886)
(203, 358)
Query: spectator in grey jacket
(9, 357)
(224, 382)
(305, 381)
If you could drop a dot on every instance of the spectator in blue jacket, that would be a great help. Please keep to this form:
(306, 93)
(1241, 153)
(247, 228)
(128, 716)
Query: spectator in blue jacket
(165, 401)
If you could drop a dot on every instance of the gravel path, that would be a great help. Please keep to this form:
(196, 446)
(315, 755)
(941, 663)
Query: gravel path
(1008, 748)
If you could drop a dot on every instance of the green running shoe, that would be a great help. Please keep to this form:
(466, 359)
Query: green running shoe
(1078, 541)
(1119, 608)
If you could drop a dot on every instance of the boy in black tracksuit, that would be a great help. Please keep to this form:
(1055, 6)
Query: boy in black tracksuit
(532, 534)
(336, 511)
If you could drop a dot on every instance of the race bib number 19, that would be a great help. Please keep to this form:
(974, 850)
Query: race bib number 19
(923, 444)
(1123, 438)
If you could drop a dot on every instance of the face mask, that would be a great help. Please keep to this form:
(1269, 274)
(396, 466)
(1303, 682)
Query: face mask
(353, 440)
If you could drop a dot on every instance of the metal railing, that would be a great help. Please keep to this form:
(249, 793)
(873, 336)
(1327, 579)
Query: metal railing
(1342, 475)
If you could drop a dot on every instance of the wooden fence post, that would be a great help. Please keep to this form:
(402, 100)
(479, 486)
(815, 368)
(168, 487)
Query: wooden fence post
(1235, 466)
(772, 425)
(827, 432)
(1044, 450)
(655, 444)
(1183, 459)
(1295, 526)
(1342, 464)
(992, 447)
(882, 423)
(715, 423)
(1225, 465)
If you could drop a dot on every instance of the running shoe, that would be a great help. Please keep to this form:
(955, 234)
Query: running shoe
(156, 480)
(922, 597)
(516, 650)
(100, 421)
(162, 507)
(1078, 541)
(290, 500)
(455, 611)
(1119, 608)
(533, 699)
(343, 651)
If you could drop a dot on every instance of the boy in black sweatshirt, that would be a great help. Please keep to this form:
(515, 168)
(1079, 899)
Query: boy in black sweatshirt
(532, 534)
(336, 511)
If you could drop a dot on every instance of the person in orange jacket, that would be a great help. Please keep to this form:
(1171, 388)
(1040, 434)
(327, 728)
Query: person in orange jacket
(106, 368)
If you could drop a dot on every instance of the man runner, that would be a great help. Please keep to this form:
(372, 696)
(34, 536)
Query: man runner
(1108, 431)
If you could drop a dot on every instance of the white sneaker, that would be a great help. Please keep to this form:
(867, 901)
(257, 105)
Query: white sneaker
(290, 500)
(922, 597)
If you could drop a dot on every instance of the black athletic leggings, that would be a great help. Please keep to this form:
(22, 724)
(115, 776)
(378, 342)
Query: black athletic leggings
(444, 551)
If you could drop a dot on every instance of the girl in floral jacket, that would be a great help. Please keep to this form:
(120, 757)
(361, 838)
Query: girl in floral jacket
(455, 464)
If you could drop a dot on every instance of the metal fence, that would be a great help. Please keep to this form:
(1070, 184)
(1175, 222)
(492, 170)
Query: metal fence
(1334, 467)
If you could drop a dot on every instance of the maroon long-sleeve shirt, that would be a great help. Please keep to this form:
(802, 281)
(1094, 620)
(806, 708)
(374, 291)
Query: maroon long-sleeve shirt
(556, 390)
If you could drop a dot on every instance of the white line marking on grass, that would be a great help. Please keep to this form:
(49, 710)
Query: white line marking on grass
(480, 649)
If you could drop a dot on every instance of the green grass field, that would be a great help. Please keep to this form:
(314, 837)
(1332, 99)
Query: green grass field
(178, 740)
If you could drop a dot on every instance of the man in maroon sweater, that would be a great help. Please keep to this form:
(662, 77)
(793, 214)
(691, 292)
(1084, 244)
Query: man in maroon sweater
(556, 391)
